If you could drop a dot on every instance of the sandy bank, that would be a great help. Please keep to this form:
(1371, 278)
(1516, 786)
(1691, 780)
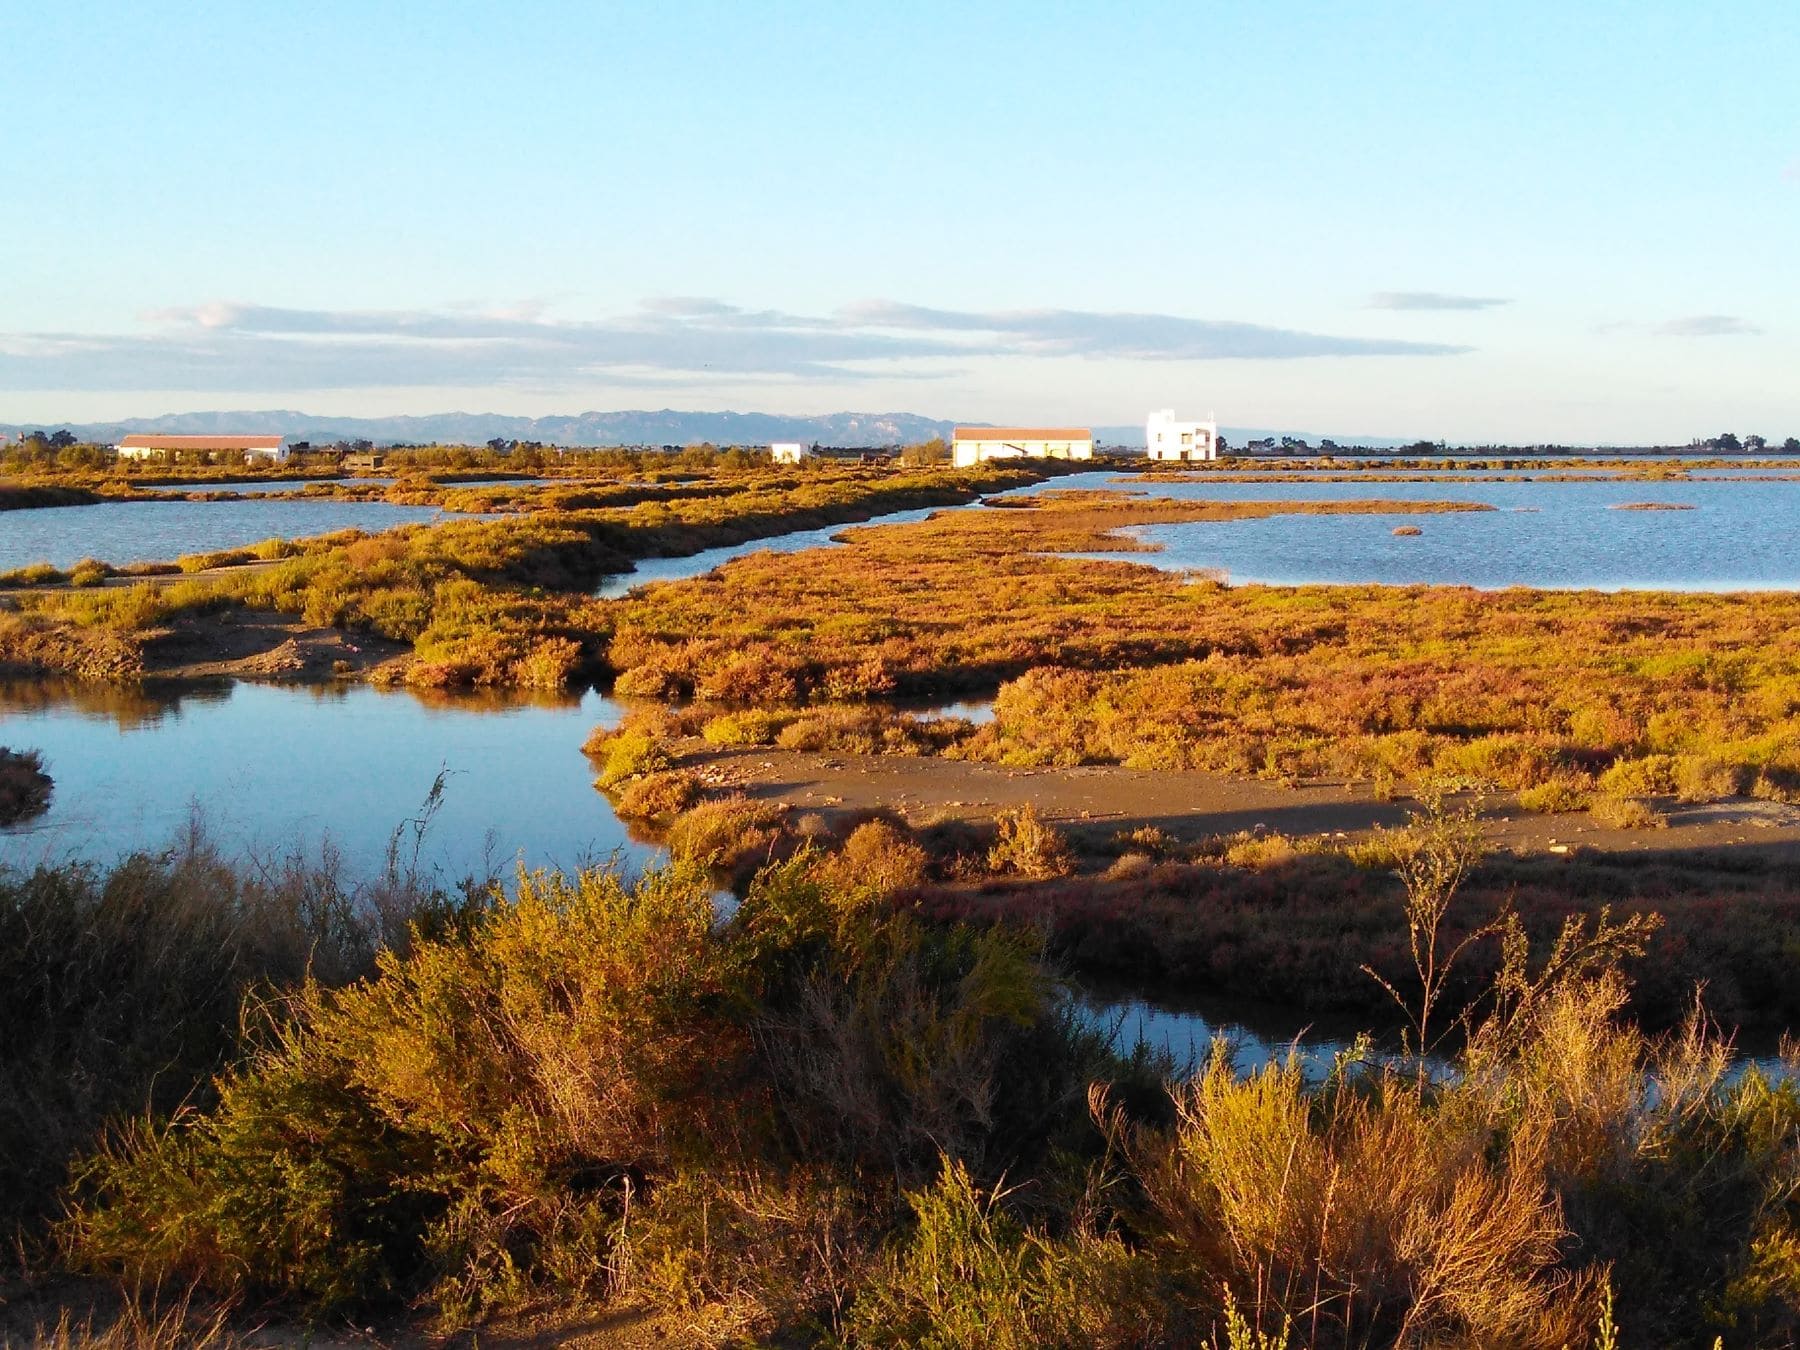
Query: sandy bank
(1094, 801)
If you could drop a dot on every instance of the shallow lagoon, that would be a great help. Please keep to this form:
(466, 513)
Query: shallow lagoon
(156, 531)
(1568, 535)
(273, 768)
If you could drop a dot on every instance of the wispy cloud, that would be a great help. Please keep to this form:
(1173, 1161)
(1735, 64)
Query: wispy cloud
(229, 345)
(1151, 337)
(1705, 325)
(1433, 300)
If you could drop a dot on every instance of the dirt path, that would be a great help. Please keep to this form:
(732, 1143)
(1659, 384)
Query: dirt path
(1095, 801)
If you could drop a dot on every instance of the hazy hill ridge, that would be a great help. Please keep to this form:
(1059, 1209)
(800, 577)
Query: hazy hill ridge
(665, 427)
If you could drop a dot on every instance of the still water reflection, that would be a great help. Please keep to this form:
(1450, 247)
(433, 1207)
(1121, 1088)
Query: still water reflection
(155, 531)
(274, 768)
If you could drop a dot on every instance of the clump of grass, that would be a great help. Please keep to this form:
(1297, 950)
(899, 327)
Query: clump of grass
(969, 1273)
(139, 1325)
(1130, 867)
(1150, 840)
(1027, 845)
(1557, 795)
(840, 730)
(1258, 852)
(207, 562)
(1701, 778)
(1382, 849)
(1625, 813)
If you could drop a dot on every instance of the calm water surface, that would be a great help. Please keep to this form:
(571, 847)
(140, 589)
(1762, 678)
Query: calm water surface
(273, 768)
(699, 564)
(128, 532)
(268, 485)
(1740, 536)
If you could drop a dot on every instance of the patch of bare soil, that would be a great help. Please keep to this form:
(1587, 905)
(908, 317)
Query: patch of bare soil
(1093, 802)
(263, 645)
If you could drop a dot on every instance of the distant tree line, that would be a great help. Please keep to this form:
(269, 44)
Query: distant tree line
(60, 449)
(1728, 443)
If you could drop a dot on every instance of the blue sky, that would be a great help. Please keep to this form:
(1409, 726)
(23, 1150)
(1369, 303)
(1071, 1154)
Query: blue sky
(1513, 221)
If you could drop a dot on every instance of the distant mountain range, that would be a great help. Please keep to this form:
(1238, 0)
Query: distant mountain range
(667, 427)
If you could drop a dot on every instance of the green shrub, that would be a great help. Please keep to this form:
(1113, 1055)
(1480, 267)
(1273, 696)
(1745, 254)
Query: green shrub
(658, 796)
(485, 1096)
(726, 832)
(1648, 776)
(569, 1090)
(89, 572)
(749, 726)
(37, 574)
(1555, 795)
(625, 755)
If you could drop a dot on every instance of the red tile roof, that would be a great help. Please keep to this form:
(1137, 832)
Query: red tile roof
(146, 442)
(1022, 434)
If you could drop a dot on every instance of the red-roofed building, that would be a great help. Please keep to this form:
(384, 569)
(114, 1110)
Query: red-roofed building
(204, 449)
(972, 445)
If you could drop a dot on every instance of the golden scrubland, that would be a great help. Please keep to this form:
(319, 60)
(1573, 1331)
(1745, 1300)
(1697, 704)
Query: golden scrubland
(481, 602)
(1564, 696)
(863, 1107)
(819, 1121)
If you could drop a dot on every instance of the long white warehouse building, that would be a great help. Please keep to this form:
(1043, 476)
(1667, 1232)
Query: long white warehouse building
(972, 445)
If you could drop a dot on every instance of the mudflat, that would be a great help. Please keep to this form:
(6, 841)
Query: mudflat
(1093, 801)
